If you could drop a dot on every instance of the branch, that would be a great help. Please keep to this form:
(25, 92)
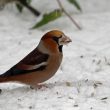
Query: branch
(66, 13)
(34, 11)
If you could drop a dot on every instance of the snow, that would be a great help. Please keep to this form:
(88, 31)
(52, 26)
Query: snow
(82, 82)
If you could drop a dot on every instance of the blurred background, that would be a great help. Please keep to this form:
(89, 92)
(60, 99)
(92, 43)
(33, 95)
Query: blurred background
(40, 14)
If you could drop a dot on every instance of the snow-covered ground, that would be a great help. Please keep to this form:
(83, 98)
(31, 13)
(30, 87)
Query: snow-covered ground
(83, 80)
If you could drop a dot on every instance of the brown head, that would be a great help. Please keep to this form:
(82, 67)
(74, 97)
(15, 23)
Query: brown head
(54, 40)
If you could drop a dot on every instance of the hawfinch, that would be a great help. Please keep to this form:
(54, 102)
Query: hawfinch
(41, 64)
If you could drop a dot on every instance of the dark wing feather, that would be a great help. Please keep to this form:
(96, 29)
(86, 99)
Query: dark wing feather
(34, 58)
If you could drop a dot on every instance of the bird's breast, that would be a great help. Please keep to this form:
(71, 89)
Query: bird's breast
(51, 68)
(54, 63)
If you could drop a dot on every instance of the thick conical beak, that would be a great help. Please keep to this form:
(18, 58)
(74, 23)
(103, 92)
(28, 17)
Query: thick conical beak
(64, 40)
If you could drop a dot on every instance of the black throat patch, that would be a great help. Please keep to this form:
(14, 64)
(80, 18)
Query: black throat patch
(56, 39)
(60, 48)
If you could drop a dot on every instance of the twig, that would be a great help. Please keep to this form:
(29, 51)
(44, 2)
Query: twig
(66, 13)
(33, 10)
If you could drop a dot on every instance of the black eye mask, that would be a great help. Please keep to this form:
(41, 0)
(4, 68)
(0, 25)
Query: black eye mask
(56, 39)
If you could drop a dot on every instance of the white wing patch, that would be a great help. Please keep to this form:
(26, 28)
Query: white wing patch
(38, 66)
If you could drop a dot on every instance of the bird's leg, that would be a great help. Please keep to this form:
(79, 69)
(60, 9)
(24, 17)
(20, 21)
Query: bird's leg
(0, 91)
(42, 86)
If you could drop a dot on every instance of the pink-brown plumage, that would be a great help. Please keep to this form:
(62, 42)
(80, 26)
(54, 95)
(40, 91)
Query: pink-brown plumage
(42, 63)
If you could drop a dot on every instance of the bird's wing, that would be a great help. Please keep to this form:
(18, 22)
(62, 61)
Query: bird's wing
(35, 61)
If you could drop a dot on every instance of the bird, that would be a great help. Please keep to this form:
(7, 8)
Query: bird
(40, 64)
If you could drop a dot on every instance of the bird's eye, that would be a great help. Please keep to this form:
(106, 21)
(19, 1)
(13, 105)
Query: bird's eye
(56, 39)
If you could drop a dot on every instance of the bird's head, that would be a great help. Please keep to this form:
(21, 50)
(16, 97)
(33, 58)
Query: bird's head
(54, 40)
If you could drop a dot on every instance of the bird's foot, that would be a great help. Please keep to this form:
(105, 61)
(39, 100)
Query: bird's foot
(42, 86)
(39, 86)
